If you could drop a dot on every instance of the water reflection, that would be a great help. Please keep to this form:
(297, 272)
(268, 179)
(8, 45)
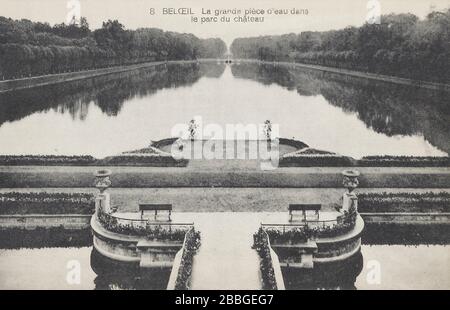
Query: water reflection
(113, 275)
(417, 265)
(17, 238)
(384, 107)
(405, 234)
(115, 113)
(108, 92)
(330, 276)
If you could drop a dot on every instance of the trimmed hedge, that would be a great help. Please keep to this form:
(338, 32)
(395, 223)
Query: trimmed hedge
(149, 160)
(46, 203)
(316, 160)
(191, 246)
(152, 157)
(404, 161)
(147, 150)
(46, 160)
(261, 245)
(404, 202)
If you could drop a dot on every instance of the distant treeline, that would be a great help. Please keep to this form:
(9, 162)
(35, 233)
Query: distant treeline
(401, 45)
(32, 48)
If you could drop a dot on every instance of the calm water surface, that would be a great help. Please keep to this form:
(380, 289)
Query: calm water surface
(111, 114)
(400, 266)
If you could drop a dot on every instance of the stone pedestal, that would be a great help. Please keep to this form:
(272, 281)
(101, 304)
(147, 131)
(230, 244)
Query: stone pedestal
(103, 202)
(102, 183)
(349, 202)
(349, 199)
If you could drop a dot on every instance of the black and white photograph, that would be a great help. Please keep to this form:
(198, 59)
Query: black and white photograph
(254, 145)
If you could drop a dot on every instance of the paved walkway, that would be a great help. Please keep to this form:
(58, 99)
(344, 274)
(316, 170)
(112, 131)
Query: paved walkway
(225, 259)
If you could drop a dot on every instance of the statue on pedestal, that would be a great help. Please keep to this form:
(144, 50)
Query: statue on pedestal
(102, 183)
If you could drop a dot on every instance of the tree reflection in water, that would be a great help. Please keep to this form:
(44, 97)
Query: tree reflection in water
(108, 92)
(386, 108)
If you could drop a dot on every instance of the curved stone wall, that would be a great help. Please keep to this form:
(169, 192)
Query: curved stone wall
(134, 249)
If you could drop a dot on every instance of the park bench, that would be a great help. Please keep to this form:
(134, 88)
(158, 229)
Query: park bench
(155, 207)
(304, 208)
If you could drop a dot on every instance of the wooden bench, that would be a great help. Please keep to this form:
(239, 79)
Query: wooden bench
(304, 208)
(155, 207)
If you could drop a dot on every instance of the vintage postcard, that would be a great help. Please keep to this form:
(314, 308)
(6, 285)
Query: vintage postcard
(224, 145)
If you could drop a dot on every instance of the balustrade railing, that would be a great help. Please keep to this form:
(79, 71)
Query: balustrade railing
(310, 228)
(143, 227)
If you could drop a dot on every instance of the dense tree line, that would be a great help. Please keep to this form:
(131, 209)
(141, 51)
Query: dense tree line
(32, 48)
(400, 45)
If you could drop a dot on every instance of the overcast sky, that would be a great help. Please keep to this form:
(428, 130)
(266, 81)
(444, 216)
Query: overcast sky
(322, 14)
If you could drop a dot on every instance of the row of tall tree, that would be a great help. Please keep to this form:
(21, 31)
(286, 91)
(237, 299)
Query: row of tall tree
(32, 48)
(401, 45)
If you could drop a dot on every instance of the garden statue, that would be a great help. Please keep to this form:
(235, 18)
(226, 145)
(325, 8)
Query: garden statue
(268, 130)
(192, 129)
(350, 200)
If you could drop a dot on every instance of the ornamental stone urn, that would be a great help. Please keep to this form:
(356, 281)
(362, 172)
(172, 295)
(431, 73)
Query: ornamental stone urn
(350, 181)
(102, 181)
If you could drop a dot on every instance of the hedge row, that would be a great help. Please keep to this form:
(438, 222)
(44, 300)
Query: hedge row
(261, 245)
(404, 202)
(192, 244)
(148, 157)
(143, 157)
(46, 203)
(404, 161)
(151, 160)
(313, 158)
(46, 160)
(316, 160)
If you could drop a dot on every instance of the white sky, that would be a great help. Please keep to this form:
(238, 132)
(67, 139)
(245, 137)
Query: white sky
(322, 14)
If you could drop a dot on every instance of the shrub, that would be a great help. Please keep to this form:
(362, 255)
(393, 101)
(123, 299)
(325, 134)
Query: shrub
(191, 245)
(404, 161)
(150, 231)
(261, 245)
(300, 159)
(404, 202)
(46, 160)
(46, 203)
(301, 234)
(151, 160)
